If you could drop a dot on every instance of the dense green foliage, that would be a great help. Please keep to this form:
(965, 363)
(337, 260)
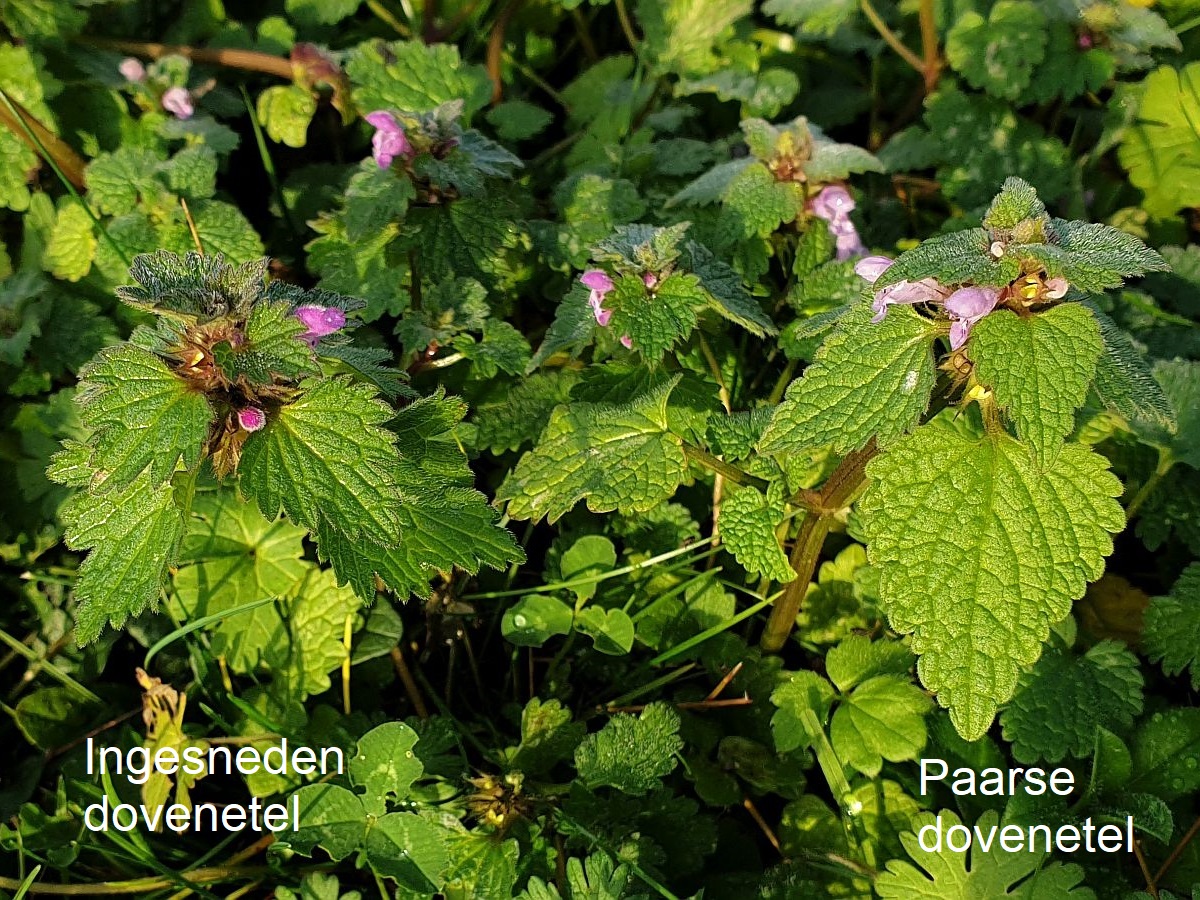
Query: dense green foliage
(634, 433)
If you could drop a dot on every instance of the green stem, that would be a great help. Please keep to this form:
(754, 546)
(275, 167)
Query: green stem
(781, 383)
(66, 162)
(35, 139)
(695, 640)
(627, 26)
(1165, 461)
(207, 875)
(591, 579)
(202, 622)
(835, 776)
(50, 669)
(268, 163)
(382, 13)
(634, 867)
(890, 37)
(651, 686)
(715, 367)
(728, 470)
(837, 493)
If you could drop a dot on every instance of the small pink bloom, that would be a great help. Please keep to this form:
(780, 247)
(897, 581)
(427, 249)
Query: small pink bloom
(132, 70)
(1084, 41)
(596, 280)
(832, 203)
(320, 321)
(1056, 288)
(389, 140)
(967, 306)
(598, 284)
(178, 102)
(650, 280)
(626, 342)
(252, 418)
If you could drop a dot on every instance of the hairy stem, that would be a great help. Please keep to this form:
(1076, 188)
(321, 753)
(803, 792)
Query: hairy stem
(839, 489)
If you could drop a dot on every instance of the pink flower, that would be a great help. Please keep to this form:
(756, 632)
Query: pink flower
(1056, 287)
(320, 321)
(927, 290)
(178, 102)
(967, 306)
(252, 418)
(132, 70)
(834, 204)
(626, 342)
(598, 284)
(389, 140)
(650, 280)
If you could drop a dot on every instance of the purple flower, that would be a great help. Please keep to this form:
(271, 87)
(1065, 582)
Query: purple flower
(320, 321)
(598, 284)
(967, 306)
(834, 204)
(252, 418)
(132, 70)
(596, 280)
(389, 140)
(869, 268)
(178, 102)
(848, 243)
(926, 290)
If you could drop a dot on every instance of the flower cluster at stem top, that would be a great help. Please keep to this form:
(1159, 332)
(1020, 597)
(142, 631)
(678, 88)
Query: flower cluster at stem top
(965, 306)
